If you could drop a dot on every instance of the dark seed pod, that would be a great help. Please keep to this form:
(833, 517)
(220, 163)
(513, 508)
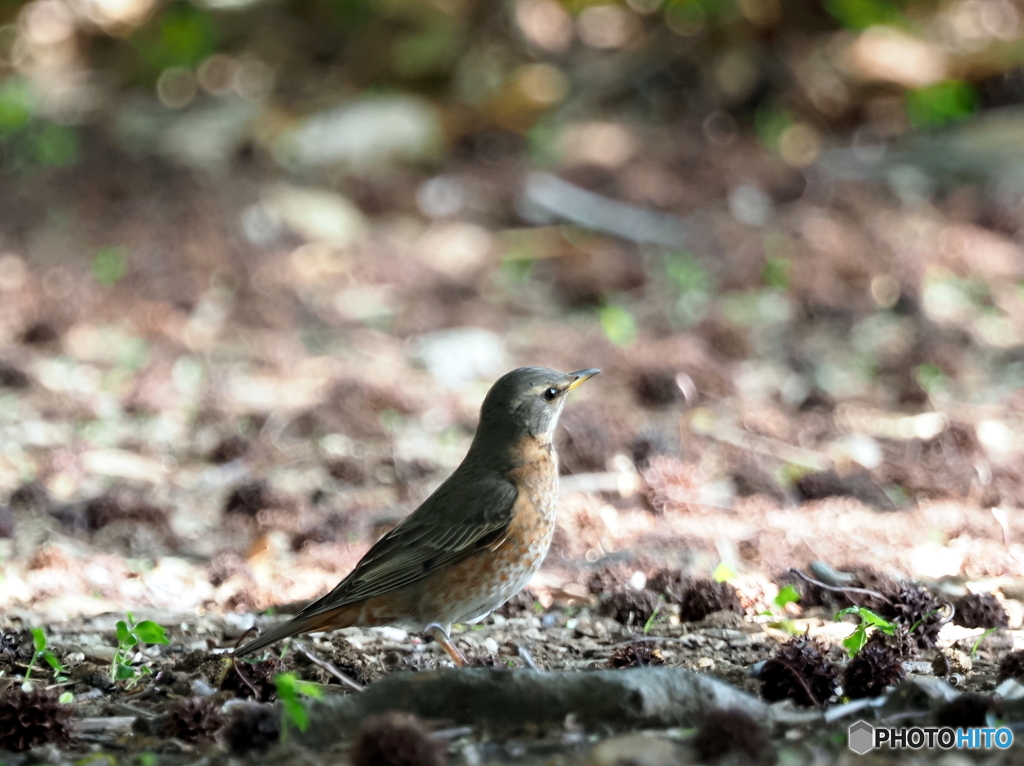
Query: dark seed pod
(30, 719)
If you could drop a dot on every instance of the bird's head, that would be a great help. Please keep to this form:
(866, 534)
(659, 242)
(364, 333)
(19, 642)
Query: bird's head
(524, 403)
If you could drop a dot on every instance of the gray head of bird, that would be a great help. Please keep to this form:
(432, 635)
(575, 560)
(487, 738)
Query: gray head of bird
(524, 403)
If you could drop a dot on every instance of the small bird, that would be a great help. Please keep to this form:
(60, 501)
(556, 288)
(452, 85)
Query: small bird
(476, 541)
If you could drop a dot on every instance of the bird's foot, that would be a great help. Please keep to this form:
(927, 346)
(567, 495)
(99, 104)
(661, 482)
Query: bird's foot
(440, 635)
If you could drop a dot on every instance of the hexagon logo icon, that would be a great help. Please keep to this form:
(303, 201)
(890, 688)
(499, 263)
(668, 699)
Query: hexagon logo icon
(861, 737)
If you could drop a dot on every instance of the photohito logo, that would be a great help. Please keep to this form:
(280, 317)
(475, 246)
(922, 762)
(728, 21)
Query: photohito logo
(863, 737)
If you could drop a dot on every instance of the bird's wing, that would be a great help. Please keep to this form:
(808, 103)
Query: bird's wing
(460, 518)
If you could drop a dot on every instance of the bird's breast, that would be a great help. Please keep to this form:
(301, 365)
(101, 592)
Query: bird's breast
(475, 586)
(536, 478)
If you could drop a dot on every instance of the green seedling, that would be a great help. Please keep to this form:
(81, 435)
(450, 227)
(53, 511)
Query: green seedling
(868, 619)
(289, 689)
(982, 637)
(40, 653)
(788, 594)
(651, 620)
(129, 635)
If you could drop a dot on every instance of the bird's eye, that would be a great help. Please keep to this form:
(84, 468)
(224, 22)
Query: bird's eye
(551, 394)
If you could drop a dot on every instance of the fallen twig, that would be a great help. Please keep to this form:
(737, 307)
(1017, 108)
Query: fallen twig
(840, 589)
(325, 665)
(234, 665)
(524, 653)
(766, 445)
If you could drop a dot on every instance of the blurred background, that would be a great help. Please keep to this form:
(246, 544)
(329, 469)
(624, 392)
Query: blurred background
(260, 260)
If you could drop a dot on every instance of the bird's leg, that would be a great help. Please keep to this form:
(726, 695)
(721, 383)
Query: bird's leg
(440, 635)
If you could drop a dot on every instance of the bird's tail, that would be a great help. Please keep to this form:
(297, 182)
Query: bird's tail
(298, 625)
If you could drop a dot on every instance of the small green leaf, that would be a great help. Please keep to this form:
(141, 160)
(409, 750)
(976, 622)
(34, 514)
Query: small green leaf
(38, 638)
(861, 14)
(516, 269)
(723, 573)
(309, 689)
(650, 620)
(776, 272)
(123, 672)
(285, 685)
(854, 642)
(123, 634)
(66, 698)
(687, 274)
(868, 618)
(787, 595)
(151, 633)
(296, 713)
(289, 687)
(52, 661)
(55, 145)
(941, 103)
(109, 265)
(181, 34)
(770, 124)
(618, 324)
(16, 105)
(930, 377)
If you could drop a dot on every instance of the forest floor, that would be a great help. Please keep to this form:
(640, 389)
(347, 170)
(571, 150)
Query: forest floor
(226, 427)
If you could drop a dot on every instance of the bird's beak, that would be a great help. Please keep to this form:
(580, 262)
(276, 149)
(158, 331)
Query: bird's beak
(579, 377)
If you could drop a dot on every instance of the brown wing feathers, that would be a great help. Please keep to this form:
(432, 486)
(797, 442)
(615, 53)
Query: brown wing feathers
(449, 526)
